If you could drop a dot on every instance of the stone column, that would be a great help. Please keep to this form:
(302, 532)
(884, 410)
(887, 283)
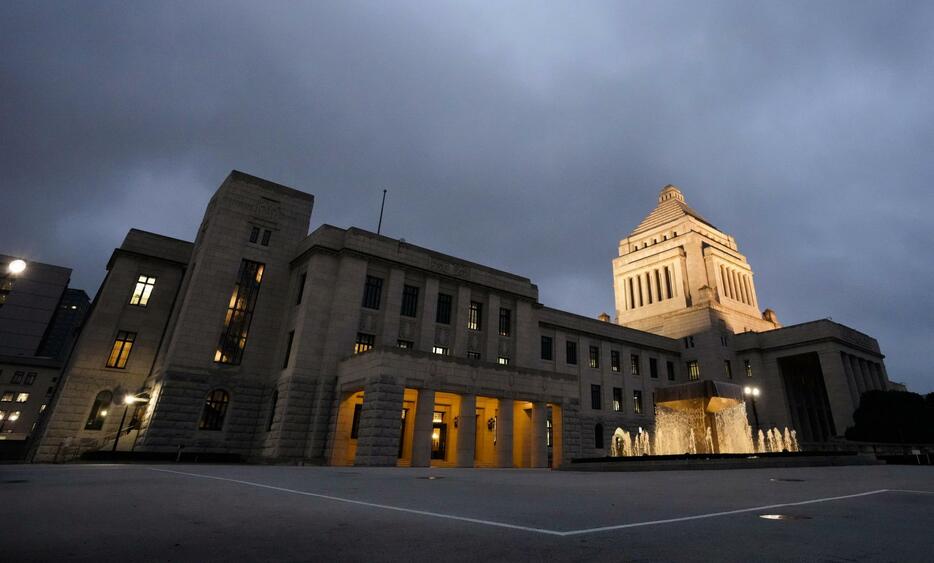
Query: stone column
(504, 433)
(421, 439)
(539, 446)
(378, 435)
(460, 314)
(526, 336)
(850, 380)
(392, 306)
(838, 393)
(467, 431)
(491, 346)
(428, 313)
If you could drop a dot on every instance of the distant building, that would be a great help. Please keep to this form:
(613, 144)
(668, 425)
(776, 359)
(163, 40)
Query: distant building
(39, 320)
(347, 347)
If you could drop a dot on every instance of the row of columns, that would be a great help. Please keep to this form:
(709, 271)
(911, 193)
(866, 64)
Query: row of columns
(649, 287)
(862, 376)
(736, 285)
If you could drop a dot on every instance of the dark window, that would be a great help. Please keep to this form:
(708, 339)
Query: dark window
(505, 322)
(617, 399)
(634, 364)
(728, 369)
(747, 366)
(637, 401)
(443, 314)
(571, 352)
(372, 292)
(547, 348)
(596, 401)
(405, 344)
(30, 378)
(473, 355)
(99, 411)
(18, 377)
(614, 360)
(272, 409)
(475, 316)
(693, 370)
(215, 408)
(355, 423)
(671, 370)
(595, 356)
(266, 234)
(254, 234)
(409, 301)
(653, 368)
(598, 436)
(301, 287)
(288, 349)
(364, 342)
(724, 340)
(120, 351)
(240, 313)
(688, 341)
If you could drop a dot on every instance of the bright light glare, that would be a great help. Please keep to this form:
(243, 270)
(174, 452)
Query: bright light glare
(747, 390)
(16, 266)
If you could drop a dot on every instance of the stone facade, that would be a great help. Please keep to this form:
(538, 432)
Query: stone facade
(355, 348)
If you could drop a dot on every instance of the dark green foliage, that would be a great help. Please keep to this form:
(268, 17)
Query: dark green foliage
(893, 416)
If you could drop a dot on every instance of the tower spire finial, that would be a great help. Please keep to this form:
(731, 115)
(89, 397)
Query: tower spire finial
(670, 191)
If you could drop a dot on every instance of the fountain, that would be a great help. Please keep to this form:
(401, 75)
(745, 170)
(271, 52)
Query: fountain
(703, 417)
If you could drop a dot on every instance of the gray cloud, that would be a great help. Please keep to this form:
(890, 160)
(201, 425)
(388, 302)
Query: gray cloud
(525, 137)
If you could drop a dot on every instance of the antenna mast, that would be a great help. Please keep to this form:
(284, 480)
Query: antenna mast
(379, 227)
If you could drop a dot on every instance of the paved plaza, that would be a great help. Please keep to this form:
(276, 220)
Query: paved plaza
(239, 513)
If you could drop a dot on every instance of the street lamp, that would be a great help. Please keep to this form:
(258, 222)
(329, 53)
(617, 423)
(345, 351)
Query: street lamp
(753, 392)
(128, 400)
(16, 267)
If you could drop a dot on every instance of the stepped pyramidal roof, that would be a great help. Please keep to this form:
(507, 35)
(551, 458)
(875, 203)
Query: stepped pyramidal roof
(671, 207)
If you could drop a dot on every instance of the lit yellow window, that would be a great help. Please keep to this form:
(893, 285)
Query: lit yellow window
(120, 352)
(22, 397)
(143, 290)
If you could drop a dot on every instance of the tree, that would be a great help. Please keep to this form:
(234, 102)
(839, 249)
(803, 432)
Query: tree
(893, 416)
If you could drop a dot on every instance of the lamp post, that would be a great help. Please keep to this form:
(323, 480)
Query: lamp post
(128, 400)
(753, 392)
(13, 269)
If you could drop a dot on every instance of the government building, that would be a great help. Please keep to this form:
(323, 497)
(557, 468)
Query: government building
(263, 342)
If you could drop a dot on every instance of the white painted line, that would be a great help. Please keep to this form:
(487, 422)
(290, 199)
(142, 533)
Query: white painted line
(911, 491)
(543, 530)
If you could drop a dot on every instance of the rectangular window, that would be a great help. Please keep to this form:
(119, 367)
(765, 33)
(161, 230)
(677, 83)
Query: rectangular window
(637, 401)
(505, 322)
(363, 343)
(288, 349)
(18, 377)
(634, 364)
(239, 313)
(571, 352)
(688, 341)
(120, 352)
(475, 316)
(22, 397)
(614, 360)
(301, 287)
(473, 355)
(671, 370)
(728, 369)
(595, 399)
(747, 366)
(6, 397)
(547, 348)
(254, 234)
(409, 301)
(30, 378)
(355, 423)
(266, 234)
(372, 291)
(442, 350)
(502, 360)
(653, 368)
(405, 344)
(142, 291)
(595, 356)
(693, 370)
(443, 314)
(617, 399)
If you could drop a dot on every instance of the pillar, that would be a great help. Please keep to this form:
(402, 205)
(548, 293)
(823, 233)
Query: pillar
(421, 439)
(539, 446)
(467, 431)
(378, 437)
(504, 433)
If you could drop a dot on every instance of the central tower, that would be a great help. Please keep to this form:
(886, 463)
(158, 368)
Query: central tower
(678, 275)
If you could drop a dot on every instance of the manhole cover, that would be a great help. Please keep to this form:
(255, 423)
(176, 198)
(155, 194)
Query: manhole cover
(789, 480)
(784, 517)
(430, 477)
(11, 481)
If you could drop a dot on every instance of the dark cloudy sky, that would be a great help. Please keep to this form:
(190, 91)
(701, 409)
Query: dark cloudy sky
(527, 136)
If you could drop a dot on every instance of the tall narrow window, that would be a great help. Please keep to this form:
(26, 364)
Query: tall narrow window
(99, 411)
(239, 313)
(272, 409)
(18, 377)
(301, 287)
(288, 349)
(637, 401)
(595, 356)
(653, 368)
(266, 234)
(215, 409)
(598, 436)
(670, 366)
(693, 370)
(120, 351)
(364, 342)
(443, 313)
(747, 367)
(475, 316)
(728, 369)
(547, 348)
(595, 398)
(617, 399)
(372, 292)
(142, 291)
(571, 352)
(30, 378)
(409, 301)
(254, 234)
(634, 364)
(614, 360)
(505, 321)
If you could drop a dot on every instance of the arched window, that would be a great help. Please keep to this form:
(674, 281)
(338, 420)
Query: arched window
(99, 410)
(272, 409)
(598, 436)
(215, 407)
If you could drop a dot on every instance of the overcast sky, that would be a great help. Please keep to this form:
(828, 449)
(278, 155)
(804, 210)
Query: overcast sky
(530, 137)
